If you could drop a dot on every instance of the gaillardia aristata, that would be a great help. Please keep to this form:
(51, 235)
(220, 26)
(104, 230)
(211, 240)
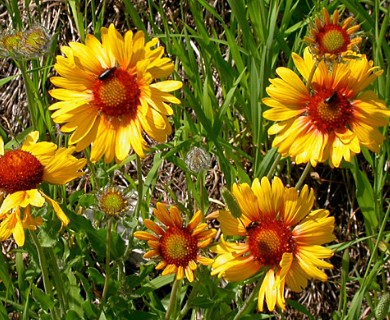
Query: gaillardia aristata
(21, 173)
(108, 94)
(331, 39)
(330, 120)
(279, 232)
(176, 245)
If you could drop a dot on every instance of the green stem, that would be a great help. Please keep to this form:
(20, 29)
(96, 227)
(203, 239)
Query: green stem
(273, 167)
(172, 300)
(45, 274)
(187, 306)
(57, 278)
(378, 239)
(248, 301)
(137, 208)
(29, 94)
(201, 191)
(108, 253)
(303, 176)
(140, 186)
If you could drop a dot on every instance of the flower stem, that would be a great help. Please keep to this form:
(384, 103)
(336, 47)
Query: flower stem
(108, 253)
(201, 191)
(45, 274)
(303, 176)
(140, 186)
(187, 306)
(248, 301)
(172, 300)
(378, 241)
(274, 165)
(137, 208)
(57, 278)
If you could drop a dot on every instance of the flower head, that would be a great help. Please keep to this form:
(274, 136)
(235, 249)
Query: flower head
(112, 201)
(197, 159)
(36, 41)
(175, 244)
(108, 94)
(332, 119)
(329, 38)
(23, 170)
(279, 233)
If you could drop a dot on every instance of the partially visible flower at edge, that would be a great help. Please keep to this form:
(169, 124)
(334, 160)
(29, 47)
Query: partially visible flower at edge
(10, 44)
(108, 97)
(329, 39)
(176, 245)
(280, 233)
(34, 42)
(23, 170)
(333, 119)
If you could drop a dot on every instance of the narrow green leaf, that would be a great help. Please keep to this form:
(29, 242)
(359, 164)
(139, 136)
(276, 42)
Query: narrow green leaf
(366, 199)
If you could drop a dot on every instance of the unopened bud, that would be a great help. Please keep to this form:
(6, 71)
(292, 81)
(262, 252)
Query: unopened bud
(198, 159)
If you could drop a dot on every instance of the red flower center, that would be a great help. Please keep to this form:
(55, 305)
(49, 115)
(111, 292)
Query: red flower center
(116, 93)
(330, 111)
(332, 39)
(19, 170)
(268, 240)
(178, 246)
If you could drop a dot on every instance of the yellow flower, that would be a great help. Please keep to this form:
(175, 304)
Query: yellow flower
(328, 38)
(23, 170)
(176, 245)
(280, 233)
(15, 221)
(333, 119)
(108, 94)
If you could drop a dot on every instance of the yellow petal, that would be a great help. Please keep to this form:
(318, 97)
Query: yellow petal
(57, 209)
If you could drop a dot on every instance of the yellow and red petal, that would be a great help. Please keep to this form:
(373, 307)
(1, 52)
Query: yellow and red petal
(189, 274)
(176, 216)
(231, 225)
(297, 206)
(161, 212)
(161, 265)
(151, 254)
(151, 225)
(143, 235)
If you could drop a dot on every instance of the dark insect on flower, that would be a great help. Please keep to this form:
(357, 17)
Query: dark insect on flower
(252, 225)
(106, 73)
(332, 98)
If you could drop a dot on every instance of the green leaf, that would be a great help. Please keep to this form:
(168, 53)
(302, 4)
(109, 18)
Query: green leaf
(141, 315)
(297, 306)
(231, 202)
(73, 292)
(98, 243)
(96, 277)
(44, 299)
(366, 199)
(155, 284)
